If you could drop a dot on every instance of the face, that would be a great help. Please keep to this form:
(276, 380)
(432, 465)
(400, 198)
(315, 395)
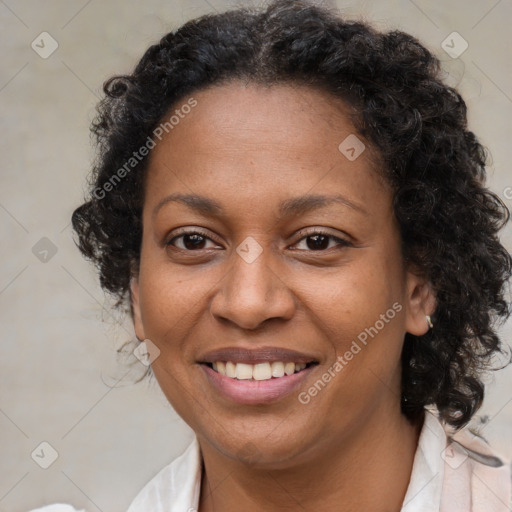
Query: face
(266, 250)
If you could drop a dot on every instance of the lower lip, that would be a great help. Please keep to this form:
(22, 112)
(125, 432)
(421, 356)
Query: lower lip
(252, 392)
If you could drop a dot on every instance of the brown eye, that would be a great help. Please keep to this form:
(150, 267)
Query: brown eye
(319, 241)
(190, 241)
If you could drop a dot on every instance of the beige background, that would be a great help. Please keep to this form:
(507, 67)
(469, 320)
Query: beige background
(60, 383)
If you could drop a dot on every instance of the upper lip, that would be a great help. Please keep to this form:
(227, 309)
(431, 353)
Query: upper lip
(256, 355)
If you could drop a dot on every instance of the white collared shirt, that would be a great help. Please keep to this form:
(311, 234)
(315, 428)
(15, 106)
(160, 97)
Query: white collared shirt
(444, 478)
(456, 473)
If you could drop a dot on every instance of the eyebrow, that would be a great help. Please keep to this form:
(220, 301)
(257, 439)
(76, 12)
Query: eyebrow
(288, 208)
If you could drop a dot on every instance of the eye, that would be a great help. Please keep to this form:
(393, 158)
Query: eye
(319, 240)
(316, 240)
(190, 241)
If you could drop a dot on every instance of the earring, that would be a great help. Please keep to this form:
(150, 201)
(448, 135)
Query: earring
(429, 321)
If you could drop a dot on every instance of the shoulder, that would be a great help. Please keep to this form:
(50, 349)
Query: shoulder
(475, 474)
(178, 484)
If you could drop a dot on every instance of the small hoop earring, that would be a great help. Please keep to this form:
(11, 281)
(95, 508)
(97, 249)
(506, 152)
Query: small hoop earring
(429, 321)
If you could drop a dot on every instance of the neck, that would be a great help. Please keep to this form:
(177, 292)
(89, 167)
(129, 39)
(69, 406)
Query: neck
(369, 470)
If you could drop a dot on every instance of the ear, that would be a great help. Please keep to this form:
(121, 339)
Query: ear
(421, 302)
(135, 307)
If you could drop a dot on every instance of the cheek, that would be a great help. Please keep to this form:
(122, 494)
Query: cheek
(355, 297)
(362, 317)
(361, 313)
(167, 304)
(165, 300)
(171, 302)
(174, 302)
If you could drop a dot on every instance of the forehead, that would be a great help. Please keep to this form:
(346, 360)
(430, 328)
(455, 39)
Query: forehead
(253, 139)
(281, 113)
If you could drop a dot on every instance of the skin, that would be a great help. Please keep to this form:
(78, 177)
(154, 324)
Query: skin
(250, 147)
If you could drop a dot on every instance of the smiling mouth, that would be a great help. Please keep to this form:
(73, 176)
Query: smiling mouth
(259, 371)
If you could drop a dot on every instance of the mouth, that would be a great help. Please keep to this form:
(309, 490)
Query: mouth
(259, 371)
(256, 376)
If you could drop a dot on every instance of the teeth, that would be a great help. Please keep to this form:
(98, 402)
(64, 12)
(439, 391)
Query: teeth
(230, 370)
(289, 368)
(277, 369)
(260, 371)
(243, 371)
(221, 367)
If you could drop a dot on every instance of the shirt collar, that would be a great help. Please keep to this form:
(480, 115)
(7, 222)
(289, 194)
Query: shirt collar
(177, 487)
(426, 482)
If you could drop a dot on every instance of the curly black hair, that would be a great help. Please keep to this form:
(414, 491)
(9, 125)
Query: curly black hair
(449, 220)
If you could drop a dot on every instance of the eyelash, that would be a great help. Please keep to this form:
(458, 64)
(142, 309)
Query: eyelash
(341, 242)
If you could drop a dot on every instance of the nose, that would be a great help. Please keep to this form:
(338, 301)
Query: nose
(252, 293)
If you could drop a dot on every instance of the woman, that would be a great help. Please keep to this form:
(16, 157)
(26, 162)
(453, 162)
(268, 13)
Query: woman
(295, 212)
